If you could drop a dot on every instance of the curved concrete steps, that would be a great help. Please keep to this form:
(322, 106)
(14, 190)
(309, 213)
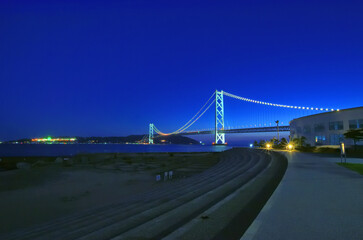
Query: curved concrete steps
(122, 210)
(159, 212)
(178, 216)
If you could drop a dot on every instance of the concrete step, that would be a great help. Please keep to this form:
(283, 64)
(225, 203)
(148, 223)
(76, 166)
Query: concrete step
(229, 218)
(124, 214)
(149, 214)
(171, 220)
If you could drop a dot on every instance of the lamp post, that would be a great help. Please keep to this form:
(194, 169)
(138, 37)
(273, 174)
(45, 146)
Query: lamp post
(278, 138)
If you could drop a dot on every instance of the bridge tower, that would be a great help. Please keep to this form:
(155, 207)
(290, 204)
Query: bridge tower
(151, 133)
(219, 137)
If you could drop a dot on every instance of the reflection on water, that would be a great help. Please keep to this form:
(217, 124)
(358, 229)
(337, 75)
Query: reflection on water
(72, 149)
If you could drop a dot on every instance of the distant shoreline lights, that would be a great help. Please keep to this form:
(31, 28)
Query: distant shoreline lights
(49, 139)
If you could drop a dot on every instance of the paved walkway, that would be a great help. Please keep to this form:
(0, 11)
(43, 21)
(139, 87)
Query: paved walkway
(316, 199)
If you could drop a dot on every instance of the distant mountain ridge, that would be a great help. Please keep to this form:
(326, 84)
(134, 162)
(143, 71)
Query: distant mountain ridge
(171, 139)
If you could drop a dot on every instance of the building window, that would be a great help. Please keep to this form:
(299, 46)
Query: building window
(336, 125)
(319, 127)
(357, 123)
(319, 139)
(336, 139)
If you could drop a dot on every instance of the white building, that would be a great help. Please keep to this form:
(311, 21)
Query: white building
(327, 128)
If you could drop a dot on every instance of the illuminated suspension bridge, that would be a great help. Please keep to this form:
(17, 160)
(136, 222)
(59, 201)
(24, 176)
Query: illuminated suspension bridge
(219, 130)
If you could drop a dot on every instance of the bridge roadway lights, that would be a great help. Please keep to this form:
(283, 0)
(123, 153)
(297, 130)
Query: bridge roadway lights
(219, 144)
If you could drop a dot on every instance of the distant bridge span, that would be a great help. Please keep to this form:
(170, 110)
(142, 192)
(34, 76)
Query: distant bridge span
(240, 130)
(219, 129)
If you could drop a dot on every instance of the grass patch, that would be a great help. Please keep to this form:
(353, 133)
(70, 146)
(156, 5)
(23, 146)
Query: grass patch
(357, 167)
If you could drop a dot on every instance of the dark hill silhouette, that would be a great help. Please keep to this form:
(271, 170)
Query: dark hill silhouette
(172, 139)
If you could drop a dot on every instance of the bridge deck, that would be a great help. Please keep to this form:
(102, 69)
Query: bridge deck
(241, 130)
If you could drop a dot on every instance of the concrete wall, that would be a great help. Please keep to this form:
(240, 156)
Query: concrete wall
(326, 128)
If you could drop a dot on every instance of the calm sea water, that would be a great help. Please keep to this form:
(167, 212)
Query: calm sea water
(72, 149)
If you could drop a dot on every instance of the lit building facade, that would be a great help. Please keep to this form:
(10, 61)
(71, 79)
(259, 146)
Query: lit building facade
(327, 128)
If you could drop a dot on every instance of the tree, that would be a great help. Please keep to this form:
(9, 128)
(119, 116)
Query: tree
(302, 141)
(274, 141)
(255, 144)
(355, 134)
(262, 143)
(299, 142)
(283, 143)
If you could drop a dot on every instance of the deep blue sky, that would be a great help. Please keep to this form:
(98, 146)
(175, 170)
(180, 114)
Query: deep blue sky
(108, 68)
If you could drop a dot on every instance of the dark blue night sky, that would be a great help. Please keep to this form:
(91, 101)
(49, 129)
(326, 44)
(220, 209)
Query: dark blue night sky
(104, 68)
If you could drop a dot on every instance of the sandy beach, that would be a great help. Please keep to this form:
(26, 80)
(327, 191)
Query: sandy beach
(51, 190)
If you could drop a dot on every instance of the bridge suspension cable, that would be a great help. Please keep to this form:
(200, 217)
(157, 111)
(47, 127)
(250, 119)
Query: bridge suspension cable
(277, 105)
(191, 121)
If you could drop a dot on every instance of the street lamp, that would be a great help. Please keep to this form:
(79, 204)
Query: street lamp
(278, 138)
(290, 147)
